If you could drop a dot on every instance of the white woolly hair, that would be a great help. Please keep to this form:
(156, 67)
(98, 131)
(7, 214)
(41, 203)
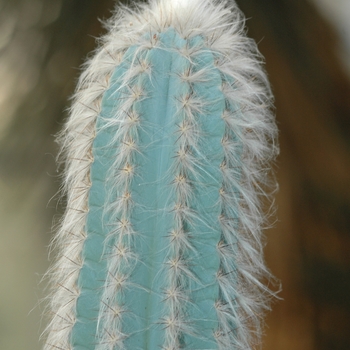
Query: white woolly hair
(221, 24)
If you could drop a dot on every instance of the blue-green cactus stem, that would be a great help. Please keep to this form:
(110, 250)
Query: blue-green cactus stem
(170, 287)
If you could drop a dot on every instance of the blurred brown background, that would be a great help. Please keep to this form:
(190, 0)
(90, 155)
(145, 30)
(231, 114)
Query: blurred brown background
(307, 49)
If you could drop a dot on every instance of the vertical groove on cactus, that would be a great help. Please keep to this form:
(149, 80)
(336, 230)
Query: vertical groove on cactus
(168, 149)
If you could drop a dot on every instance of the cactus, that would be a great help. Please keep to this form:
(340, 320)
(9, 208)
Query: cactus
(167, 152)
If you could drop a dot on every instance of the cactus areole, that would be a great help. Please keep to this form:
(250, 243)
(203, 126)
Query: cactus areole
(167, 151)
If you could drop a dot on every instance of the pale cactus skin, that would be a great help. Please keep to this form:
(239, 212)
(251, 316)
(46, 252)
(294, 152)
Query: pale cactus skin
(167, 151)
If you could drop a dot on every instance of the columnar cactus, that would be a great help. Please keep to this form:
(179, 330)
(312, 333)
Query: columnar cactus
(167, 153)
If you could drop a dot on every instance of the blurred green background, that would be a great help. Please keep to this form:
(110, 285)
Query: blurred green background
(307, 49)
